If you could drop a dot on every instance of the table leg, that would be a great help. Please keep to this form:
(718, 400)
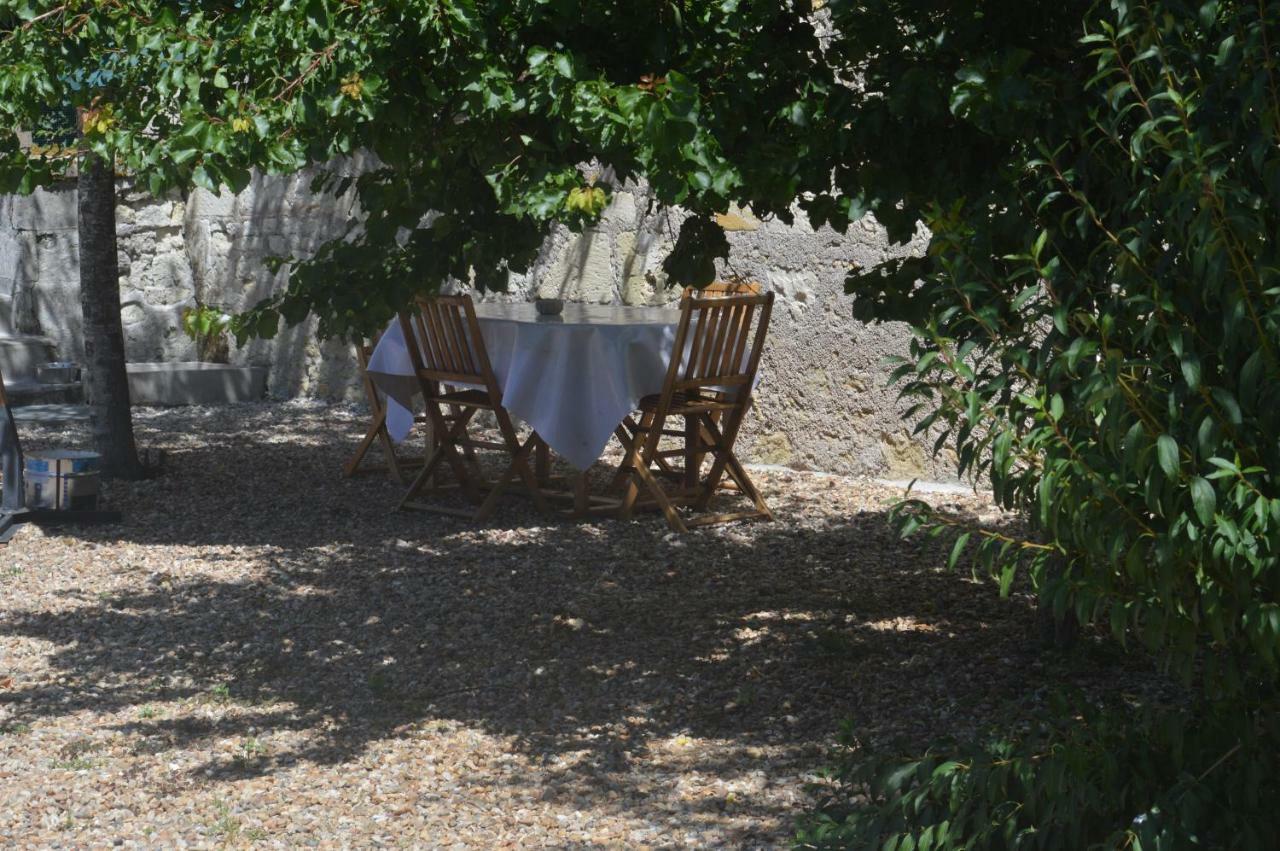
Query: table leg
(580, 501)
(542, 463)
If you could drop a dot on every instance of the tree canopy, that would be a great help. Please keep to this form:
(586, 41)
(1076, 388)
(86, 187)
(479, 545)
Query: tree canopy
(479, 115)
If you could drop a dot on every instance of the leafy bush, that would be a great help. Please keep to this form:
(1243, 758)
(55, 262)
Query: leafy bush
(1100, 340)
(1092, 778)
(207, 327)
(1096, 334)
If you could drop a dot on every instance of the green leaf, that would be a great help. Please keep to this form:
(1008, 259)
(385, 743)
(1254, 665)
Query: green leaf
(1203, 498)
(1167, 453)
(961, 542)
(1191, 371)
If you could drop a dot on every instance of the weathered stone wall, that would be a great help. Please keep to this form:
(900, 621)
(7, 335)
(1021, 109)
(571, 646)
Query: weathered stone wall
(823, 406)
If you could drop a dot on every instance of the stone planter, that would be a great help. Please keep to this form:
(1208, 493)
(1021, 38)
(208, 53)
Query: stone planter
(194, 383)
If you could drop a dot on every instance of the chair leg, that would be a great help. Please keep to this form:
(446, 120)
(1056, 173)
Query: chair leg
(420, 481)
(727, 461)
(660, 497)
(519, 466)
(446, 450)
(374, 431)
(630, 464)
(638, 468)
(581, 494)
(542, 463)
(620, 477)
(531, 480)
(377, 431)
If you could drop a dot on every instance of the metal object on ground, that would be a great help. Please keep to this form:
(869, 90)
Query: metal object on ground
(12, 496)
(63, 462)
(62, 493)
(58, 372)
(13, 507)
(62, 480)
(12, 493)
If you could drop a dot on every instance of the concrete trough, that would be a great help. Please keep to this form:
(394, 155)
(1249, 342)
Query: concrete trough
(195, 383)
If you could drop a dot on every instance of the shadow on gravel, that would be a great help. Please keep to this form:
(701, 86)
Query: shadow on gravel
(357, 623)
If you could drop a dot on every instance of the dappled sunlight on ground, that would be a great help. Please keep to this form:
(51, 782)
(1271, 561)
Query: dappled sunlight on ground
(265, 652)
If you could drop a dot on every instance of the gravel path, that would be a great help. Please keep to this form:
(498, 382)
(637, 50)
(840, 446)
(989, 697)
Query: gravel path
(264, 653)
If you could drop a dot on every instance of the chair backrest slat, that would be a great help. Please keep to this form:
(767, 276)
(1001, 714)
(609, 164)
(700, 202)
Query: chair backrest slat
(737, 344)
(429, 339)
(716, 327)
(450, 348)
(460, 336)
(439, 328)
(440, 323)
(714, 354)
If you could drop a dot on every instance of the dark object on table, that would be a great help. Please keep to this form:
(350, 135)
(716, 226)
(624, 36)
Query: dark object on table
(549, 306)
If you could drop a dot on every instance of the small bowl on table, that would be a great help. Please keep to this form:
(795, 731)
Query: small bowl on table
(548, 306)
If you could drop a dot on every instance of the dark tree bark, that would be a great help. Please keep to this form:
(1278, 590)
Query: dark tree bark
(106, 381)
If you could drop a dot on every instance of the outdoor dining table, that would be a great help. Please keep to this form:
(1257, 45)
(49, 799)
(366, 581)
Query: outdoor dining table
(572, 377)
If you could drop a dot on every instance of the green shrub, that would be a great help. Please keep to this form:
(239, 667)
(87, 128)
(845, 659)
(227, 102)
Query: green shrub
(1081, 778)
(208, 327)
(1098, 333)
(1097, 328)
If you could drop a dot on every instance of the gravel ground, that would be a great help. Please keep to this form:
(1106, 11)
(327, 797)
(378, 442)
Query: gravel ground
(264, 653)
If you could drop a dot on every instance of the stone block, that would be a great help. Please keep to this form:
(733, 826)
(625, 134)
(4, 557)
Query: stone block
(195, 383)
(51, 209)
(203, 204)
(903, 457)
(640, 268)
(57, 257)
(584, 272)
(621, 210)
(738, 219)
(21, 356)
(164, 280)
(775, 448)
(158, 214)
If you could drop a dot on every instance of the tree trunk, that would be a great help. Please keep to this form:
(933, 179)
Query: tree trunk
(106, 381)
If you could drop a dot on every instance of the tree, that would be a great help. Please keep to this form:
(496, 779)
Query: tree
(104, 352)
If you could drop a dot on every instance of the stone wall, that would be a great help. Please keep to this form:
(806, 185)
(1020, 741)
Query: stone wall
(823, 405)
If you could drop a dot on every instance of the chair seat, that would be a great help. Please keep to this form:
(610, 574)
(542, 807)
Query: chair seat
(684, 402)
(469, 398)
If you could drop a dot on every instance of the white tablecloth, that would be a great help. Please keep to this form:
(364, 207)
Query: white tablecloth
(571, 377)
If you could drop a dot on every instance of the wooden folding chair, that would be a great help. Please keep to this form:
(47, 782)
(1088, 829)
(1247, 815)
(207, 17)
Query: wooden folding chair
(377, 430)
(457, 381)
(694, 434)
(709, 383)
